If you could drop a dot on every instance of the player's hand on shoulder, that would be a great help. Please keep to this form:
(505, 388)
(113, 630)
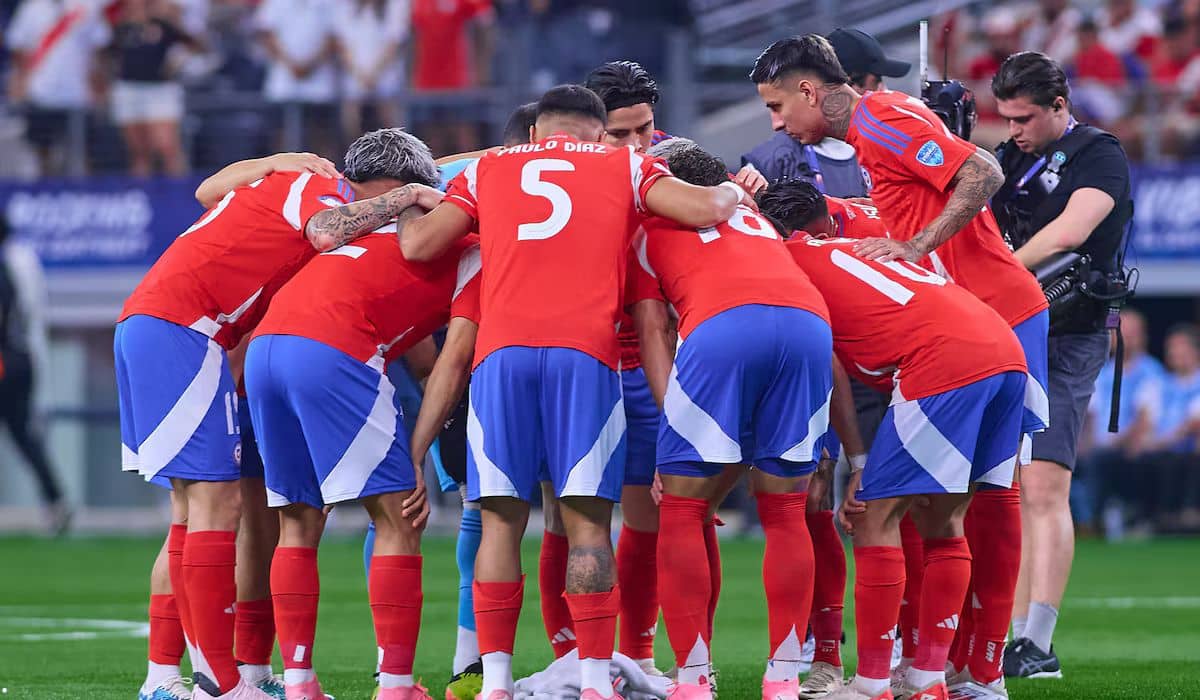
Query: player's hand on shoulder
(750, 179)
(886, 249)
(303, 162)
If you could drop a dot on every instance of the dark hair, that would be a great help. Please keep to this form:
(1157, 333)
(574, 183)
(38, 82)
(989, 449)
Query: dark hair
(516, 129)
(690, 163)
(572, 100)
(1033, 75)
(390, 154)
(622, 84)
(792, 202)
(1190, 330)
(811, 53)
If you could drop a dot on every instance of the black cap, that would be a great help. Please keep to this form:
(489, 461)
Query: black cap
(859, 53)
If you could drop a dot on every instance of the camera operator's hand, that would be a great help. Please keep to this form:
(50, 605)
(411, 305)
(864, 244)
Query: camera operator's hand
(886, 249)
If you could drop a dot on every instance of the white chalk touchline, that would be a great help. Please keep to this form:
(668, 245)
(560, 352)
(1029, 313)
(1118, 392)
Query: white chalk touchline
(74, 628)
(1128, 603)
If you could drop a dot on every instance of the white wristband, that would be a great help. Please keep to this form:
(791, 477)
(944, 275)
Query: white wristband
(857, 462)
(736, 188)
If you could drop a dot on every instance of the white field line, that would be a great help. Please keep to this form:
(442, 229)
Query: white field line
(70, 628)
(1131, 603)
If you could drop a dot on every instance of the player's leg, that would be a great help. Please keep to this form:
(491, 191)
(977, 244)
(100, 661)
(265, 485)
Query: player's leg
(829, 587)
(254, 618)
(585, 456)
(993, 529)
(910, 607)
(166, 640)
(637, 545)
(552, 575)
(506, 449)
(296, 590)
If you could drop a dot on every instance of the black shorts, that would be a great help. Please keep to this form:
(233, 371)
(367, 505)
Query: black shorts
(1074, 362)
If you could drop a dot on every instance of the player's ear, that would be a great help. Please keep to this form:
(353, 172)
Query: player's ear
(533, 133)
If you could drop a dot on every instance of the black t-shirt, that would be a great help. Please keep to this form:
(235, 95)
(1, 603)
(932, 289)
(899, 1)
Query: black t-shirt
(1100, 163)
(142, 49)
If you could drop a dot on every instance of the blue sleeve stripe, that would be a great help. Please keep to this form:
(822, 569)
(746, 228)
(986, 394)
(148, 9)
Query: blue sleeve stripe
(884, 128)
(877, 138)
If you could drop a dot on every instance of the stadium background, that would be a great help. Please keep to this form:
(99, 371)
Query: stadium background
(97, 226)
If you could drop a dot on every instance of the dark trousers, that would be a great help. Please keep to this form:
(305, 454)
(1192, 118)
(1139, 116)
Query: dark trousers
(16, 397)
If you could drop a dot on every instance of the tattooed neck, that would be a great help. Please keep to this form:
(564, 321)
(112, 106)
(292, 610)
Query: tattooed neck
(837, 107)
(332, 227)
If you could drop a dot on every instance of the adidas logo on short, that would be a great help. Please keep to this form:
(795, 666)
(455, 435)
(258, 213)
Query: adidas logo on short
(950, 623)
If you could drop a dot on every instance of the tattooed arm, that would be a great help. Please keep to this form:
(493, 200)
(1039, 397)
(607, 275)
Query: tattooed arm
(332, 227)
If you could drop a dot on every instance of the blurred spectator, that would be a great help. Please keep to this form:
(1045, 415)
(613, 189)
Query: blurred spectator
(1129, 29)
(298, 37)
(23, 352)
(447, 61)
(147, 102)
(1002, 34)
(1098, 78)
(54, 44)
(1111, 459)
(371, 36)
(1051, 30)
(1171, 499)
(1177, 49)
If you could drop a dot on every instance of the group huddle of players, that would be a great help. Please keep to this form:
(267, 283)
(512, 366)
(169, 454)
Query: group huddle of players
(635, 325)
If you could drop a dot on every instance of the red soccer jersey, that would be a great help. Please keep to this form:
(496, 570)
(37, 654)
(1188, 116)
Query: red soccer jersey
(901, 328)
(555, 221)
(912, 157)
(707, 271)
(219, 275)
(368, 301)
(855, 220)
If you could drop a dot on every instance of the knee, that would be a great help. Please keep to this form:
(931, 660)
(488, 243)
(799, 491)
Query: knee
(398, 536)
(214, 505)
(300, 526)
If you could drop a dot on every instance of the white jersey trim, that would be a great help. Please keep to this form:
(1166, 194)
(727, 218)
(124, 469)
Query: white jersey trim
(212, 326)
(291, 206)
(469, 265)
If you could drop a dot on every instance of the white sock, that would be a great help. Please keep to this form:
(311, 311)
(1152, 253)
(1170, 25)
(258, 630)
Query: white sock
(696, 666)
(647, 665)
(781, 670)
(466, 650)
(594, 675)
(395, 680)
(296, 676)
(253, 674)
(919, 679)
(1040, 627)
(872, 686)
(1018, 630)
(156, 674)
(784, 663)
(497, 672)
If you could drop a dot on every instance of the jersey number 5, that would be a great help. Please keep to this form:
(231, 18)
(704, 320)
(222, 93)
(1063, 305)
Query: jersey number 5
(560, 202)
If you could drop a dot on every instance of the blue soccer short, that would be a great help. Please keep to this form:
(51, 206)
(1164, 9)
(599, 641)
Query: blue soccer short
(1032, 333)
(750, 385)
(329, 426)
(179, 410)
(946, 442)
(642, 420)
(251, 459)
(545, 412)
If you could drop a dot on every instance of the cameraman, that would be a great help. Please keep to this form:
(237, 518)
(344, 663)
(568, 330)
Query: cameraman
(1066, 190)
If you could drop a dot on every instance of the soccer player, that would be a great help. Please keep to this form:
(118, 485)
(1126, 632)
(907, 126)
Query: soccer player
(729, 405)
(931, 189)
(957, 375)
(799, 206)
(555, 219)
(177, 399)
(339, 436)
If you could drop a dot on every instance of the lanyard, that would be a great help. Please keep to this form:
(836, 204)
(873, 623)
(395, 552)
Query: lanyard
(1041, 162)
(814, 165)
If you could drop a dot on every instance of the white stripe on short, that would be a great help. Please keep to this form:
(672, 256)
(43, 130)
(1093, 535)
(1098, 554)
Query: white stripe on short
(585, 477)
(185, 417)
(926, 444)
(701, 430)
(818, 425)
(492, 481)
(368, 448)
(1036, 400)
(1001, 474)
(129, 459)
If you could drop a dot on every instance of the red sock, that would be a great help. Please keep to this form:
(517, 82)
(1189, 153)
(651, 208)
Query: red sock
(394, 589)
(254, 631)
(964, 636)
(497, 609)
(637, 575)
(914, 573)
(595, 618)
(684, 581)
(947, 574)
(166, 634)
(713, 549)
(829, 587)
(787, 571)
(209, 557)
(175, 540)
(295, 592)
(552, 584)
(878, 588)
(993, 528)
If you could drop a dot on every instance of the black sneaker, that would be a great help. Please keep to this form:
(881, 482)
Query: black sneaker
(1023, 659)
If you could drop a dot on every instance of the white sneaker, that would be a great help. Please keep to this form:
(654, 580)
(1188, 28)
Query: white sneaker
(899, 671)
(242, 691)
(822, 680)
(806, 654)
(853, 692)
(174, 688)
(963, 686)
(897, 652)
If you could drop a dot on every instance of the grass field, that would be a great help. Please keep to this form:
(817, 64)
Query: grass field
(69, 614)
